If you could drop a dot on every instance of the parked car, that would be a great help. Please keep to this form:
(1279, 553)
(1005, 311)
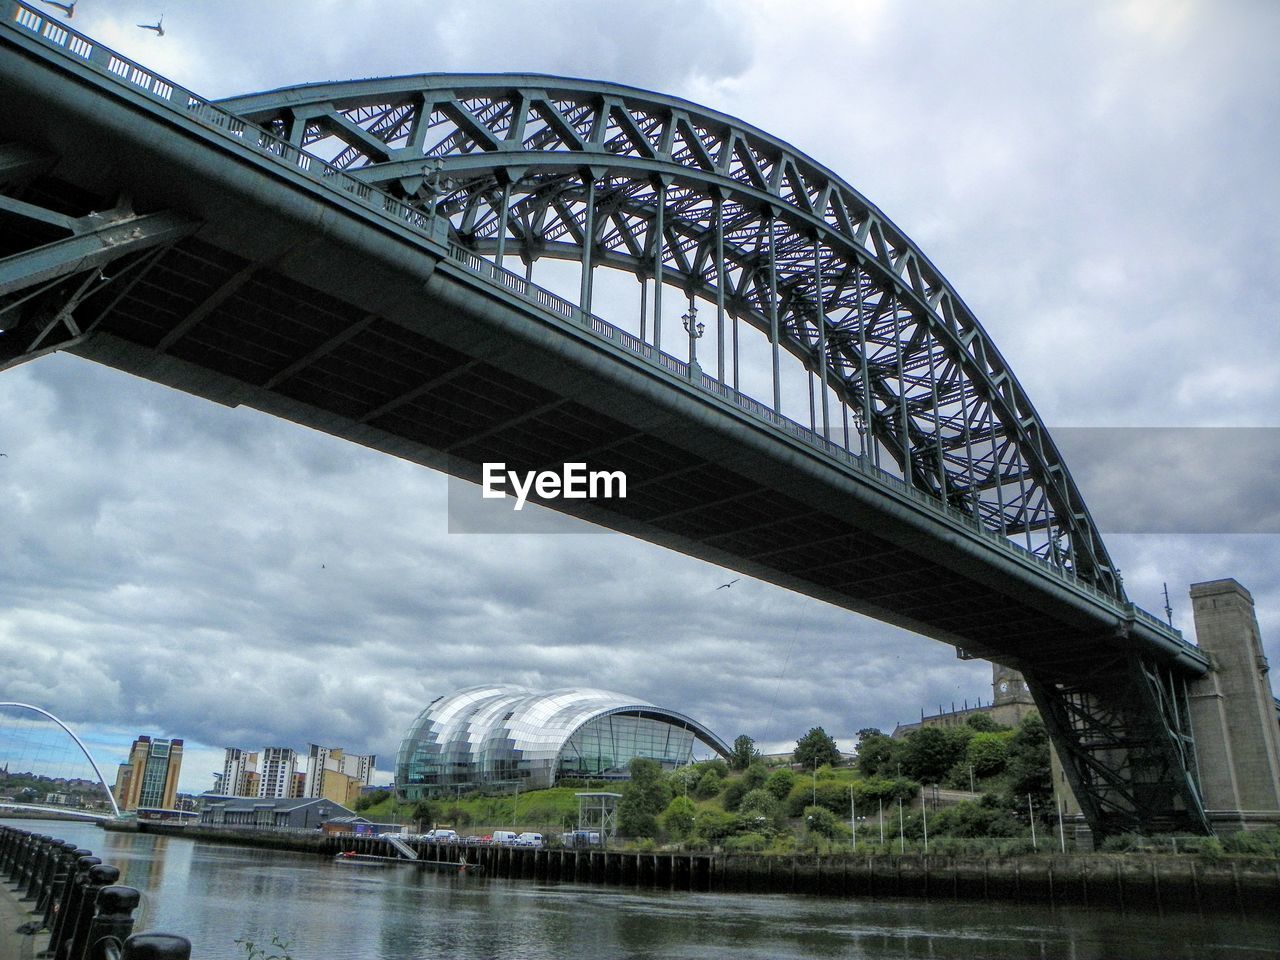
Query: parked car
(501, 837)
(441, 836)
(529, 840)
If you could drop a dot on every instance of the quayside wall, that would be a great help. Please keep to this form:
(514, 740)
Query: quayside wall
(1116, 881)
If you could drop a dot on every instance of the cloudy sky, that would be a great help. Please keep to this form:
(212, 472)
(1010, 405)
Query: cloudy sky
(1098, 181)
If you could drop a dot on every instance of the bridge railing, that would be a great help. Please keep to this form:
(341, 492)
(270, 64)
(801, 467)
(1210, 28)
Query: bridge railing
(76, 900)
(435, 227)
(142, 80)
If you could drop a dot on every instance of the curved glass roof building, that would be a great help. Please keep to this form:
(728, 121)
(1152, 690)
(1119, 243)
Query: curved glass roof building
(494, 735)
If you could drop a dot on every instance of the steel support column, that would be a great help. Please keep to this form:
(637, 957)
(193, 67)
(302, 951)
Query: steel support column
(1125, 745)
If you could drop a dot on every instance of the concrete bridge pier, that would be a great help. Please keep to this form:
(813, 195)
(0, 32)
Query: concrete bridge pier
(1233, 712)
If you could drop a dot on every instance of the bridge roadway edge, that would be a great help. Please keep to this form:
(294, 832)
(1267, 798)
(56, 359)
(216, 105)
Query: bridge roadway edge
(384, 289)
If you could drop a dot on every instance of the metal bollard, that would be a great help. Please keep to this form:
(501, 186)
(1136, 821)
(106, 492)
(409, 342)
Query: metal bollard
(156, 946)
(69, 908)
(101, 876)
(8, 839)
(63, 866)
(113, 923)
(45, 845)
(19, 852)
(48, 874)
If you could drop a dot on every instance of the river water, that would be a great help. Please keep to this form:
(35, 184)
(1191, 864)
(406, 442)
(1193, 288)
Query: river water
(216, 894)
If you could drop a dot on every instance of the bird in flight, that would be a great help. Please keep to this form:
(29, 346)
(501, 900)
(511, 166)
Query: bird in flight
(68, 9)
(157, 27)
(729, 584)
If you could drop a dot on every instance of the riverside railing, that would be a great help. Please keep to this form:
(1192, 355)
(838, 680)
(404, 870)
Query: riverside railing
(74, 898)
(432, 226)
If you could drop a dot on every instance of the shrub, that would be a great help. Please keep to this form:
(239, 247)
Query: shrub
(714, 825)
(1208, 847)
(734, 792)
(759, 802)
(755, 775)
(975, 819)
(780, 783)
(719, 766)
(746, 843)
(1259, 843)
(1121, 842)
(677, 819)
(709, 786)
(824, 823)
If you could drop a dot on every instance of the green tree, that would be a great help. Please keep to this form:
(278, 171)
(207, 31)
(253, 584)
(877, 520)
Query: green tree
(780, 783)
(685, 779)
(744, 753)
(816, 748)
(643, 798)
(983, 723)
(423, 814)
(677, 819)
(824, 823)
(930, 752)
(734, 792)
(987, 753)
(877, 754)
(1028, 768)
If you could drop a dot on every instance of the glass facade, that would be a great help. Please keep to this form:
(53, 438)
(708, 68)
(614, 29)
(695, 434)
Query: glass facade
(497, 734)
(154, 775)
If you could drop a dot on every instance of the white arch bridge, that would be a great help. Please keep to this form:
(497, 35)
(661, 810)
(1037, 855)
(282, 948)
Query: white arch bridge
(61, 810)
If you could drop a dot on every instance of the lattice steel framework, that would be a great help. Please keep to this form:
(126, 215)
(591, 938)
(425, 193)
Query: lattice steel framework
(1123, 732)
(611, 176)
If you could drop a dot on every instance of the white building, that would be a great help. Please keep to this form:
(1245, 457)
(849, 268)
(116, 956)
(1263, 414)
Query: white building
(239, 773)
(275, 779)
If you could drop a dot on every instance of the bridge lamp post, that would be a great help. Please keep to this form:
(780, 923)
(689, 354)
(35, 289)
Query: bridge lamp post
(860, 422)
(695, 328)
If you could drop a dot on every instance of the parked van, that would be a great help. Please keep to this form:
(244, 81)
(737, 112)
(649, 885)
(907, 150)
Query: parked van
(529, 840)
(580, 838)
(441, 836)
(503, 837)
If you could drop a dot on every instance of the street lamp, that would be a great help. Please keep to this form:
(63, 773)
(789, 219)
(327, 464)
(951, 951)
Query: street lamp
(694, 327)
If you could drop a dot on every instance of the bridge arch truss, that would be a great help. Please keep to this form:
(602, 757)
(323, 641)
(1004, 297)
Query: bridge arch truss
(607, 175)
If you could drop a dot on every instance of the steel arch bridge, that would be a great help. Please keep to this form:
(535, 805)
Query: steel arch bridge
(40, 711)
(606, 175)
(334, 253)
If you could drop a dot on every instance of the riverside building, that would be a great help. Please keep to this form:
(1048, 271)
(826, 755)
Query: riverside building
(149, 778)
(503, 736)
